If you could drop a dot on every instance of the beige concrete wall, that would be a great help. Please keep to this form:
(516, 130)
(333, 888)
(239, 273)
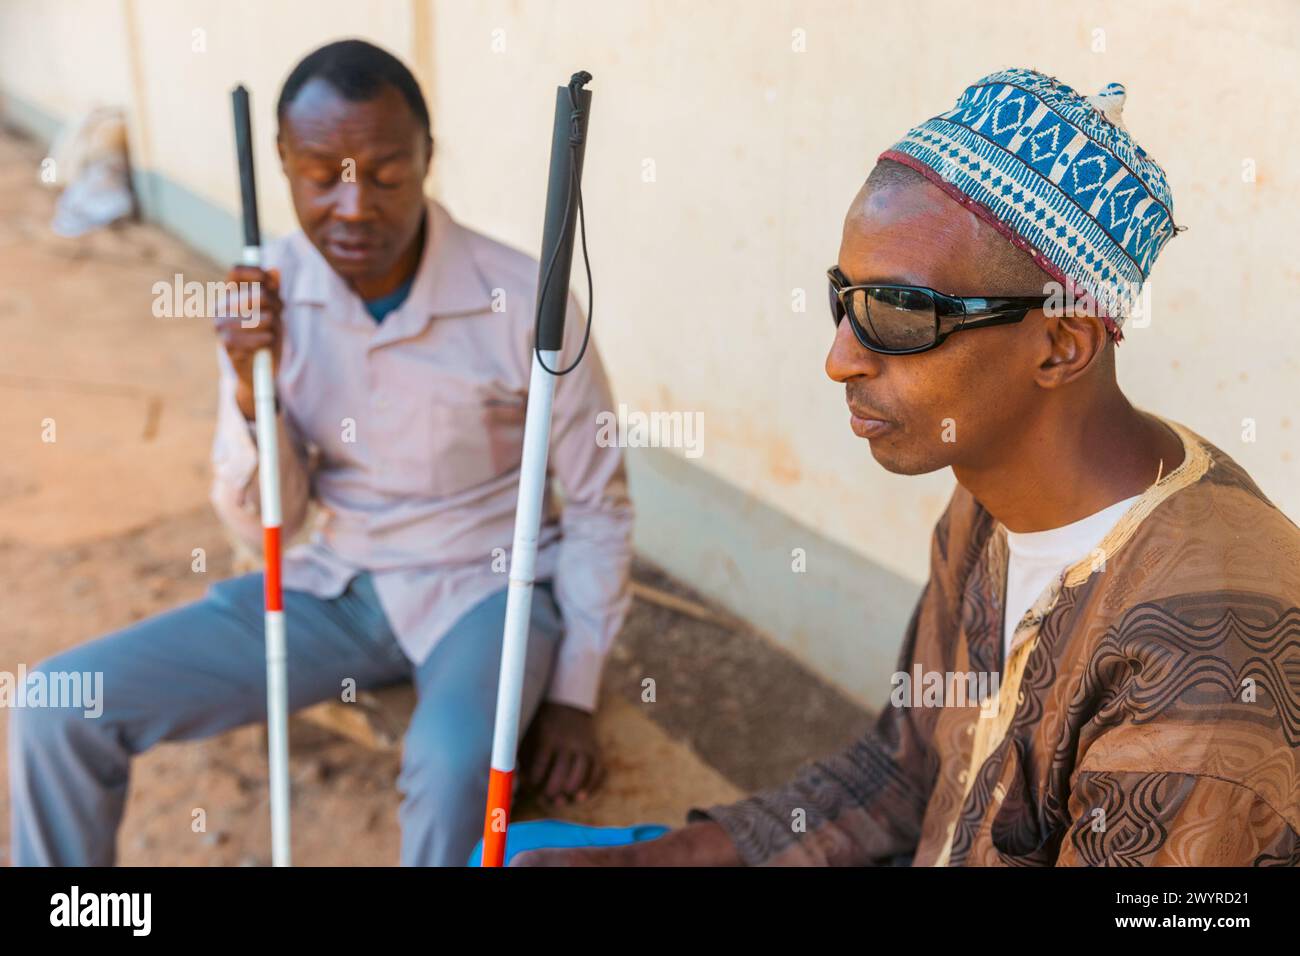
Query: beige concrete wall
(759, 120)
(65, 57)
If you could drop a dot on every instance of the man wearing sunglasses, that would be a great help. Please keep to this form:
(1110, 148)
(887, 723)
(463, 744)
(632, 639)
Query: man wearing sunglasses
(1129, 586)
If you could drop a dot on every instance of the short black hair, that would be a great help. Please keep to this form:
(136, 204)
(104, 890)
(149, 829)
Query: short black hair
(357, 70)
(890, 172)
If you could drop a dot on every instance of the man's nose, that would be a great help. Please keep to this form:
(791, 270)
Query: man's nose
(352, 204)
(848, 359)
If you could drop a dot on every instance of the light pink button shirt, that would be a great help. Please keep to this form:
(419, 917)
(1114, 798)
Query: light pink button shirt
(408, 435)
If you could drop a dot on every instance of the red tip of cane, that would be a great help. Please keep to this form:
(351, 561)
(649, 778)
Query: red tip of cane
(497, 819)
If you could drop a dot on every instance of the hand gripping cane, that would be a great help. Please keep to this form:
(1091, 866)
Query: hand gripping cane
(268, 466)
(563, 206)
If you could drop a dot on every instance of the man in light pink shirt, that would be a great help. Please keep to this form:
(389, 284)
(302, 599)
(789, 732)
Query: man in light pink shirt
(403, 344)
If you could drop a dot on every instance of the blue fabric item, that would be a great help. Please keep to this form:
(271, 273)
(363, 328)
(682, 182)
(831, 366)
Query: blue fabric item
(1059, 175)
(538, 834)
(379, 308)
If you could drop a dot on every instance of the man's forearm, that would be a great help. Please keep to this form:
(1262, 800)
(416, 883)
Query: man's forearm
(696, 844)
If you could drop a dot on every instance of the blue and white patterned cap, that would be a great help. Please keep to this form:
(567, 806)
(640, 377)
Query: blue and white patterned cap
(1057, 174)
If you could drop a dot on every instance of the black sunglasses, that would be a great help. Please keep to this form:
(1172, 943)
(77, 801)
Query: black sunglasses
(903, 319)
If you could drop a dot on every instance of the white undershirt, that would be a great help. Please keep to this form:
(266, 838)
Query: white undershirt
(1035, 557)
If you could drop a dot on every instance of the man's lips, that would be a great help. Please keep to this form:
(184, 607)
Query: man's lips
(352, 248)
(869, 424)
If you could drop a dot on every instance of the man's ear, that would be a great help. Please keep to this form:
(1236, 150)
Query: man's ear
(428, 159)
(279, 148)
(1070, 345)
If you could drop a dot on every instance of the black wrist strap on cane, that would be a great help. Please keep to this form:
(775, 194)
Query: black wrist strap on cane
(573, 193)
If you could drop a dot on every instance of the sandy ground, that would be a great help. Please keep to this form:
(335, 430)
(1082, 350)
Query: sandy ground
(98, 528)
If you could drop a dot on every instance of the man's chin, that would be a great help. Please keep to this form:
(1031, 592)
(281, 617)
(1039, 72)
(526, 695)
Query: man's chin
(900, 459)
(354, 269)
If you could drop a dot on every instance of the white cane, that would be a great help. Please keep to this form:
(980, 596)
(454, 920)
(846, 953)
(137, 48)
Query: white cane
(268, 466)
(563, 207)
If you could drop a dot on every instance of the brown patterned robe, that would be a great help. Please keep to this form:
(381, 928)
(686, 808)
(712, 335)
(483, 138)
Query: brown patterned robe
(1149, 709)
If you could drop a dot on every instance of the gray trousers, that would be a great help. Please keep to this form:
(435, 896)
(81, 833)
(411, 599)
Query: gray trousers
(199, 670)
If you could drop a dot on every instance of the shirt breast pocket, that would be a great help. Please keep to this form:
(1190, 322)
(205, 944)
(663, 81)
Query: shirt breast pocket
(470, 440)
(1017, 831)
